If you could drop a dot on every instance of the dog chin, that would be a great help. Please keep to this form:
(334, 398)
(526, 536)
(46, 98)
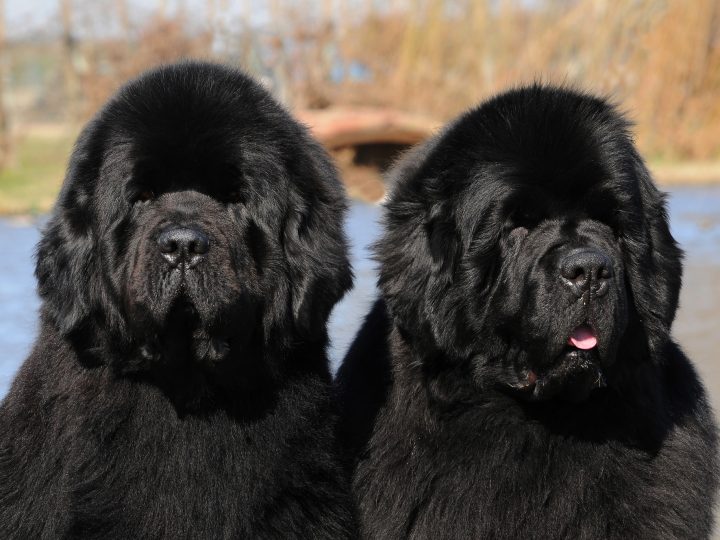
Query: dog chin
(575, 371)
(572, 377)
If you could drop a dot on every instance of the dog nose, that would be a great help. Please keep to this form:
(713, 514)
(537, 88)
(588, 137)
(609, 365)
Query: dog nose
(586, 269)
(183, 245)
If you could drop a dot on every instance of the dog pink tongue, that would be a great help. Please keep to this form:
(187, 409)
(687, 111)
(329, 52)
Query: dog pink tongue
(583, 338)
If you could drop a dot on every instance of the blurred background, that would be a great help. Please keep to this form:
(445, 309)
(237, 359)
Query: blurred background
(370, 78)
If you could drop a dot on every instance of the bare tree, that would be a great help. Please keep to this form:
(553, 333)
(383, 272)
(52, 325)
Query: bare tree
(70, 76)
(123, 14)
(659, 58)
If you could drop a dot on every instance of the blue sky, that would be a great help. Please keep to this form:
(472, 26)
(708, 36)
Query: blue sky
(29, 17)
(26, 18)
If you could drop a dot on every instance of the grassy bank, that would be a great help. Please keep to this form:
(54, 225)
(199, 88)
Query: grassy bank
(29, 185)
(686, 172)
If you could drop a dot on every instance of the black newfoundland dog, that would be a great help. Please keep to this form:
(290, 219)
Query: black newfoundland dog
(518, 378)
(179, 387)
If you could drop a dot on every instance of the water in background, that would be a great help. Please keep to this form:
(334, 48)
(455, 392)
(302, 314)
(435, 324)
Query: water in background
(18, 300)
(695, 219)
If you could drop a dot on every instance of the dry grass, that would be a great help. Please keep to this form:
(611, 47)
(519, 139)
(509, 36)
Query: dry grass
(660, 60)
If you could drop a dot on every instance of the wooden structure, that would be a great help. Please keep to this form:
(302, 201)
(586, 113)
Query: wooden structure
(365, 141)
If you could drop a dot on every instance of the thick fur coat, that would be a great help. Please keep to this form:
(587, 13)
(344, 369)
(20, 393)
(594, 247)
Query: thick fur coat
(179, 385)
(518, 378)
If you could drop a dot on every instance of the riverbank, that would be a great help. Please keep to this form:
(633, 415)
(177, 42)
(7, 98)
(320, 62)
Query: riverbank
(686, 173)
(29, 184)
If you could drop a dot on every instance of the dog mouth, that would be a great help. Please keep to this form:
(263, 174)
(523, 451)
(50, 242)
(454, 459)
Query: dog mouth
(182, 297)
(572, 375)
(184, 323)
(183, 335)
(204, 315)
(182, 315)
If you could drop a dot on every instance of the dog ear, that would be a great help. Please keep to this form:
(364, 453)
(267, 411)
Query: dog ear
(419, 253)
(66, 256)
(655, 263)
(420, 250)
(443, 242)
(315, 244)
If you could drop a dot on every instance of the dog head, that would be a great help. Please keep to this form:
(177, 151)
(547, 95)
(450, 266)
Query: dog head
(534, 244)
(197, 219)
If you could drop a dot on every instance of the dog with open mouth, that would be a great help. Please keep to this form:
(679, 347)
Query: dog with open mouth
(179, 386)
(517, 377)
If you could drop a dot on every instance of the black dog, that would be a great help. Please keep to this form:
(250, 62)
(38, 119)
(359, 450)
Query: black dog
(179, 386)
(518, 379)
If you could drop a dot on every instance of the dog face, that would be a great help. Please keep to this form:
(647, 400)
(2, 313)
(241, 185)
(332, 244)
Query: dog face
(539, 248)
(197, 221)
(561, 300)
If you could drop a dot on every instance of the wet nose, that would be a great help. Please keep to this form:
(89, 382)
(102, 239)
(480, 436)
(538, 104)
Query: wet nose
(586, 269)
(183, 245)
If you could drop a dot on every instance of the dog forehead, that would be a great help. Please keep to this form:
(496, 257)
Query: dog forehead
(187, 201)
(191, 148)
(195, 123)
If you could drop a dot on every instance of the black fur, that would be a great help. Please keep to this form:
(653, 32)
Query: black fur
(187, 401)
(490, 422)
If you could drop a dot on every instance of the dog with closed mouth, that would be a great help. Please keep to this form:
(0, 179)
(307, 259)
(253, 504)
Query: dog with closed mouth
(179, 386)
